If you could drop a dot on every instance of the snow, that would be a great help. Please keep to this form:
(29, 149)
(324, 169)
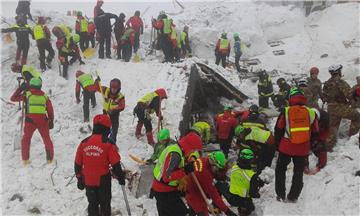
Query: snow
(333, 191)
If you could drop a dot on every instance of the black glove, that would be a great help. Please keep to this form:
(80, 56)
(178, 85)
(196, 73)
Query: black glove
(229, 212)
(189, 168)
(23, 86)
(121, 178)
(80, 184)
(161, 118)
(81, 62)
(51, 124)
(98, 79)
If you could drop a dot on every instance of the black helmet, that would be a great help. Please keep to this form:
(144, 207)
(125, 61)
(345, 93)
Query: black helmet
(122, 16)
(137, 13)
(280, 81)
(116, 84)
(254, 108)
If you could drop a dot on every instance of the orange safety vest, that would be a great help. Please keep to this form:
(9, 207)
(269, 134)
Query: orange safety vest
(298, 123)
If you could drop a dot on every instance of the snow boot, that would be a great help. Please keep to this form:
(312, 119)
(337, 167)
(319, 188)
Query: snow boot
(138, 130)
(291, 199)
(322, 155)
(280, 199)
(150, 139)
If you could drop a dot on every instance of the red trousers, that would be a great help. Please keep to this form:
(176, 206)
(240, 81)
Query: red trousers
(31, 124)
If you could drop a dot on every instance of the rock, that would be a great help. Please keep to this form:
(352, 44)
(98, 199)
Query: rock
(34, 210)
(324, 55)
(18, 197)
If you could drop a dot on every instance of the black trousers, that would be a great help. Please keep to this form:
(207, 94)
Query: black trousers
(45, 45)
(136, 41)
(234, 200)
(91, 39)
(100, 197)
(225, 145)
(84, 41)
(119, 47)
(263, 101)
(170, 204)
(280, 175)
(166, 47)
(237, 59)
(265, 157)
(87, 96)
(126, 51)
(114, 117)
(222, 58)
(140, 113)
(105, 39)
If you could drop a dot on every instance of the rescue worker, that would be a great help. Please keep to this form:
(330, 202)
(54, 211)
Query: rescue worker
(95, 157)
(119, 30)
(318, 146)
(86, 82)
(225, 125)
(204, 131)
(91, 33)
(163, 25)
(265, 89)
(147, 105)
(260, 141)
(42, 36)
(164, 141)
(170, 174)
(103, 28)
(337, 94)
(23, 9)
(81, 28)
(39, 114)
(253, 118)
(67, 46)
(237, 50)
(61, 31)
(126, 43)
(222, 49)
(314, 85)
(114, 103)
(302, 84)
(244, 184)
(22, 31)
(97, 8)
(184, 42)
(355, 102)
(174, 42)
(205, 171)
(136, 23)
(27, 72)
(282, 97)
(295, 128)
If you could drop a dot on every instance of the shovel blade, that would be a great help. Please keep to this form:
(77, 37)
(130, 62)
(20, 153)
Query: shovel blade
(89, 53)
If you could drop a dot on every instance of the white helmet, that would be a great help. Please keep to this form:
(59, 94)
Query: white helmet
(335, 68)
(303, 82)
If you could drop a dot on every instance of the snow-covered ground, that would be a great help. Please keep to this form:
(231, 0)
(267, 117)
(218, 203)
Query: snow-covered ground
(333, 191)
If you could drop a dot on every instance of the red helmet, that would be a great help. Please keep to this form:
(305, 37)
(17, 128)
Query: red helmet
(102, 119)
(189, 144)
(41, 20)
(79, 73)
(314, 70)
(15, 67)
(161, 92)
(115, 83)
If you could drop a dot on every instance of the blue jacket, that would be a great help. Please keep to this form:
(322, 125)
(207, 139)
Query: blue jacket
(237, 47)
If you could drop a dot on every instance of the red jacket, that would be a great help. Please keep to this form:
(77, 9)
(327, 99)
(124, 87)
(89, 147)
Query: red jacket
(285, 145)
(20, 96)
(91, 29)
(225, 125)
(61, 42)
(130, 39)
(222, 52)
(77, 23)
(94, 157)
(136, 23)
(193, 195)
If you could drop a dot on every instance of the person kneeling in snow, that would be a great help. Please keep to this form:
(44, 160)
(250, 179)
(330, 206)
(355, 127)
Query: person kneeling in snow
(39, 115)
(244, 184)
(164, 140)
(94, 156)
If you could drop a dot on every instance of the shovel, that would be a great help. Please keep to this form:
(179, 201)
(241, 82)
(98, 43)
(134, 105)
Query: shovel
(136, 58)
(89, 52)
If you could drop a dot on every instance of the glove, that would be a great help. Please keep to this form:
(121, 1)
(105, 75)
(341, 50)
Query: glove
(97, 79)
(147, 114)
(229, 212)
(23, 86)
(183, 183)
(51, 124)
(161, 118)
(149, 161)
(80, 184)
(121, 178)
(81, 62)
(78, 100)
(189, 168)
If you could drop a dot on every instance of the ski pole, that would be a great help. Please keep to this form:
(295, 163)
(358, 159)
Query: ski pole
(125, 196)
(202, 193)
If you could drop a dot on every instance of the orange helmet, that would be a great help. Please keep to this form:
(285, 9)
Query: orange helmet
(161, 92)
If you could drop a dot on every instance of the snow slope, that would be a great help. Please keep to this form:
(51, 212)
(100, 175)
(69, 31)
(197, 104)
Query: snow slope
(333, 191)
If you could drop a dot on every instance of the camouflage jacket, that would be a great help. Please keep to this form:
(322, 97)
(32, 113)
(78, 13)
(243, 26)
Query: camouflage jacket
(315, 88)
(336, 90)
(310, 102)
